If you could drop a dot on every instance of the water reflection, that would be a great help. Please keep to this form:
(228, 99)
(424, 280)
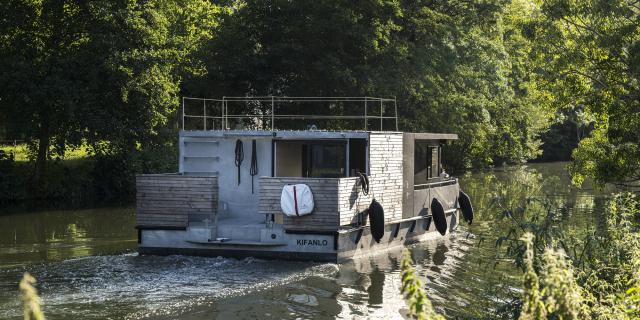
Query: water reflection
(31, 237)
(465, 274)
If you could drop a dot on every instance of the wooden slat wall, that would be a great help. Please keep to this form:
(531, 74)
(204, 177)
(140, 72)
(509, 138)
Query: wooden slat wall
(166, 200)
(325, 196)
(338, 201)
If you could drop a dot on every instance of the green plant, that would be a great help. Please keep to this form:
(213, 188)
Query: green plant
(30, 299)
(419, 305)
(600, 281)
(552, 292)
(533, 306)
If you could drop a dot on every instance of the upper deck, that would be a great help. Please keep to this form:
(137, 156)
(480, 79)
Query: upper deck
(271, 113)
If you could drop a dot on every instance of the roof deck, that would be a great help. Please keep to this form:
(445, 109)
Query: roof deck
(307, 134)
(272, 113)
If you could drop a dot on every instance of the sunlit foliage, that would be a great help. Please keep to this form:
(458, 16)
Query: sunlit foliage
(30, 299)
(588, 53)
(601, 284)
(102, 73)
(419, 304)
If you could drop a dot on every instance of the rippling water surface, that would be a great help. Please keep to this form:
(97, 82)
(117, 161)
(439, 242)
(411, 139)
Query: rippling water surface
(87, 268)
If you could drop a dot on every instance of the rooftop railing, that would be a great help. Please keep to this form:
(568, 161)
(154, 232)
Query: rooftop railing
(281, 113)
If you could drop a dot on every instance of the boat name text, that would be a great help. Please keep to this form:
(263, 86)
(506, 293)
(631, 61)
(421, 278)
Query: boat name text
(305, 242)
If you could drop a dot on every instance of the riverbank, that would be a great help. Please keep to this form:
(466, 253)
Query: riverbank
(83, 180)
(80, 179)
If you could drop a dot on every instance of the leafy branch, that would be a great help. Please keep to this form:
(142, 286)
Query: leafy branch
(419, 305)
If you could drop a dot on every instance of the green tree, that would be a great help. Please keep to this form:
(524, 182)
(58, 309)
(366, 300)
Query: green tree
(458, 67)
(588, 53)
(106, 73)
(38, 46)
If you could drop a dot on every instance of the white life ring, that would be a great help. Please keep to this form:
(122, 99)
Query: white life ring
(296, 200)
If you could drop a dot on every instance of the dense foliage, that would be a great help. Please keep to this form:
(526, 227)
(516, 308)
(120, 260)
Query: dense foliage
(453, 66)
(602, 284)
(108, 74)
(102, 73)
(589, 52)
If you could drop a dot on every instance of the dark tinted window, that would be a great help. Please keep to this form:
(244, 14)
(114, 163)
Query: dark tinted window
(357, 156)
(324, 160)
(426, 162)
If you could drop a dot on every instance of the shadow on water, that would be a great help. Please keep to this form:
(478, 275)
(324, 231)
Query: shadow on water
(76, 258)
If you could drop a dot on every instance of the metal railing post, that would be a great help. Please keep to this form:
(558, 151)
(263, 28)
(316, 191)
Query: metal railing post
(395, 106)
(365, 114)
(222, 107)
(262, 125)
(273, 108)
(204, 113)
(182, 113)
(380, 114)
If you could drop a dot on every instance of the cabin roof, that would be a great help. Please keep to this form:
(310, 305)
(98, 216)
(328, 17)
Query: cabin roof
(311, 134)
(433, 136)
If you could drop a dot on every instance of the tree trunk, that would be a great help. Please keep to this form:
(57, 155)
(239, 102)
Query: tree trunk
(42, 157)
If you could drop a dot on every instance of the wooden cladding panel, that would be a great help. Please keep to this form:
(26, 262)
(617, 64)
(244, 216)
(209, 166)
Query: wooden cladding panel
(325, 196)
(167, 200)
(339, 200)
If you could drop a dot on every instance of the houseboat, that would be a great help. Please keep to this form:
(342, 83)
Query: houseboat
(281, 178)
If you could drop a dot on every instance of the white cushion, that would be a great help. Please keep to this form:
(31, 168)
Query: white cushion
(302, 194)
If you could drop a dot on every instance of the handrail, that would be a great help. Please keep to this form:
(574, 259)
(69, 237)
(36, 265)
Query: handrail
(224, 116)
(439, 183)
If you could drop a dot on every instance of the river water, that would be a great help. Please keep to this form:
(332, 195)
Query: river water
(87, 268)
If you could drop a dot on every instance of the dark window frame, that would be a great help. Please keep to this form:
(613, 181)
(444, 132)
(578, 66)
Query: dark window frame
(424, 173)
(306, 157)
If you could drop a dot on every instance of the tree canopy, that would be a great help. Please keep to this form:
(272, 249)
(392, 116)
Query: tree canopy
(587, 53)
(497, 72)
(105, 73)
(453, 66)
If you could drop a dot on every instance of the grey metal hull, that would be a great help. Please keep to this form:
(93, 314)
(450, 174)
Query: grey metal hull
(325, 246)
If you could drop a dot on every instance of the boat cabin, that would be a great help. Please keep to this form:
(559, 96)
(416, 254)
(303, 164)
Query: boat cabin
(228, 196)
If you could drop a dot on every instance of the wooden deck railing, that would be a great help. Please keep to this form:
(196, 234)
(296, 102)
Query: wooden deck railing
(336, 201)
(167, 200)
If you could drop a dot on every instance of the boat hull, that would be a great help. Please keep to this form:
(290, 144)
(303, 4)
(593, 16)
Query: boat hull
(323, 246)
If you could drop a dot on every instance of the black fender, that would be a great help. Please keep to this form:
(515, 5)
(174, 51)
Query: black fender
(465, 206)
(376, 220)
(439, 217)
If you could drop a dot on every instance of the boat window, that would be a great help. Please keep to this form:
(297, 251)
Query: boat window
(316, 159)
(288, 161)
(324, 160)
(357, 156)
(426, 161)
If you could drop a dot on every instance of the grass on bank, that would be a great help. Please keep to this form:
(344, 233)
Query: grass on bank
(21, 152)
(82, 177)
